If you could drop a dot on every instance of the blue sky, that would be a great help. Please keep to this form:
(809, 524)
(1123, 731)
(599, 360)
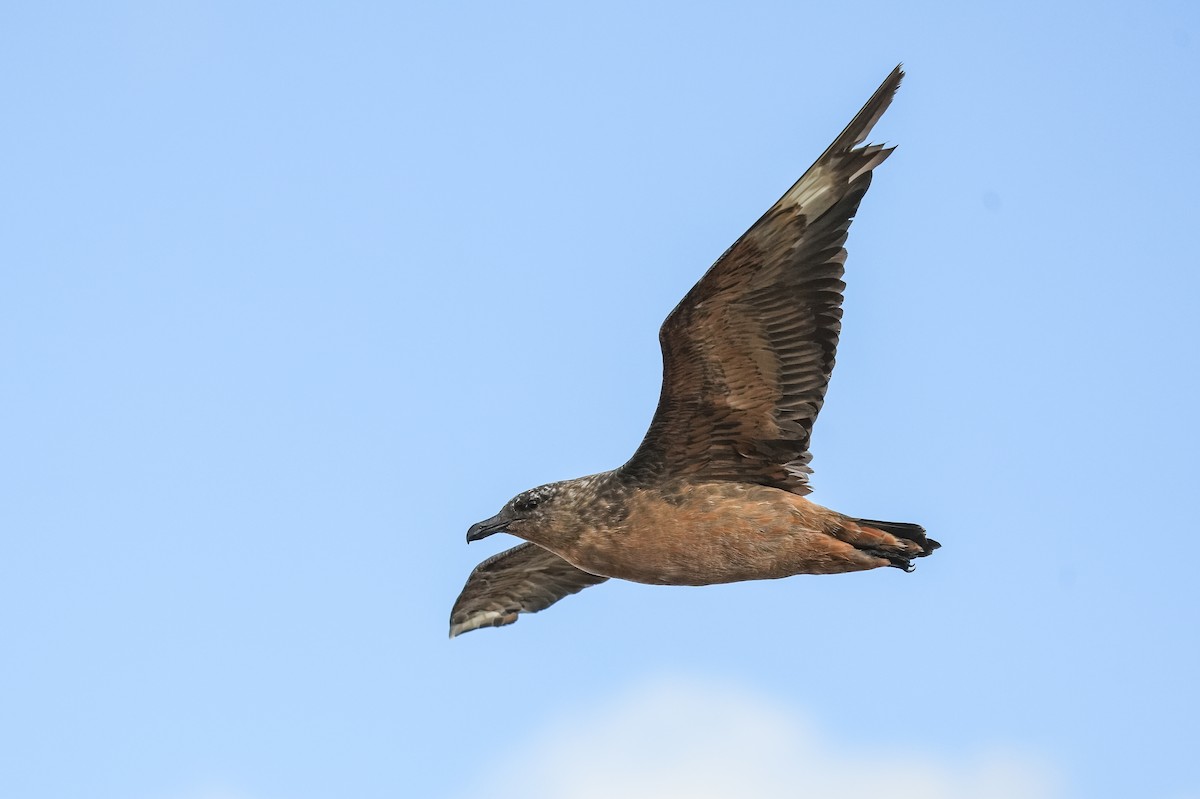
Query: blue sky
(291, 294)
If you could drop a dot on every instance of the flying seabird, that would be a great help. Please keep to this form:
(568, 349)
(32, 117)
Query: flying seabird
(715, 492)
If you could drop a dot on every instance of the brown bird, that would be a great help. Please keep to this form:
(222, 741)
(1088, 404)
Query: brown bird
(715, 493)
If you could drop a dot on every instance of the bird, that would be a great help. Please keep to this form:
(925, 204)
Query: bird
(715, 492)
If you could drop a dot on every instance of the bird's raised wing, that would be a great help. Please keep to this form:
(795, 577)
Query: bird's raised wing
(748, 352)
(524, 579)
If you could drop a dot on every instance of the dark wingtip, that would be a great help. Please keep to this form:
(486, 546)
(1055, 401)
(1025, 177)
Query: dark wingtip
(860, 127)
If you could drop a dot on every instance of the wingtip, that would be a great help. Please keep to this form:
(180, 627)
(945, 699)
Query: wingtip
(860, 127)
(464, 626)
(476, 621)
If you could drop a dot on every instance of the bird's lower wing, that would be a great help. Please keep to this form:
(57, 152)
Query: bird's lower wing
(524, 579)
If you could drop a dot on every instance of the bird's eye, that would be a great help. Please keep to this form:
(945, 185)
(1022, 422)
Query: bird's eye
(526, 503)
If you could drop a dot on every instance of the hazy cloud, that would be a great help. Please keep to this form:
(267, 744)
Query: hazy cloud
(679, 738)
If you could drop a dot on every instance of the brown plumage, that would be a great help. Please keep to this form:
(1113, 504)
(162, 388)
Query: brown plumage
(714, 494)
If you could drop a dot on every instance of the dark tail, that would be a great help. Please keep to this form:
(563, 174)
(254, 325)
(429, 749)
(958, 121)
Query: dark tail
(907, 531)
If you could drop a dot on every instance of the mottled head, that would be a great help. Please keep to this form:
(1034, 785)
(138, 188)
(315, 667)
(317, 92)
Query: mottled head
(545, 515)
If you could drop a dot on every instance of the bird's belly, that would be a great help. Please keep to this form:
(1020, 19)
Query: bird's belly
(726, 534)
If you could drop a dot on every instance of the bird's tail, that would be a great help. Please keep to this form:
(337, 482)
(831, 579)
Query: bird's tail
(906, 531)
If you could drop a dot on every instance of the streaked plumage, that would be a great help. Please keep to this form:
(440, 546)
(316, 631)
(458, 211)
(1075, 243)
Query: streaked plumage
(714, 493)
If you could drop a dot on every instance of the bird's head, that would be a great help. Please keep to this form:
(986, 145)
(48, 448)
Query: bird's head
(523, 514)
(544, 515)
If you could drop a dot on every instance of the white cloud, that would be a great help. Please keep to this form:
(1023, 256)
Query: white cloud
(682, 739)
